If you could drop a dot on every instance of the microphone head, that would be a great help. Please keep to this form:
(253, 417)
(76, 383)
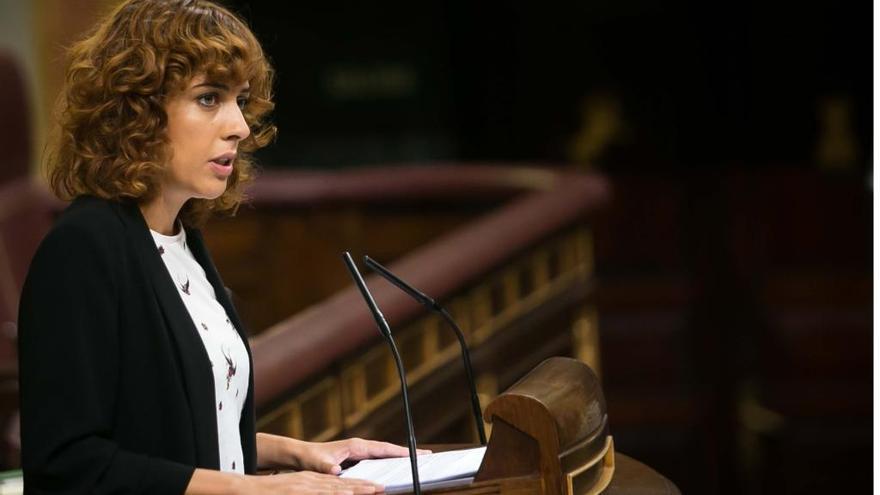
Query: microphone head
(405, 287)
(384, 329)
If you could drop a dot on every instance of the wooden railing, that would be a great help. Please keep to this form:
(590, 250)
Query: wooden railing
(517, 278)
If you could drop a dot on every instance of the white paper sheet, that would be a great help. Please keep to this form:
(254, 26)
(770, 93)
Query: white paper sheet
(396, 473)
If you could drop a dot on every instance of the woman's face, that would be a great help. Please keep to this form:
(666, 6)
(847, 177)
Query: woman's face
(205, 125)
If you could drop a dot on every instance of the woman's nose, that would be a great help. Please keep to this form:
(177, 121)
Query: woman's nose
(237, 127)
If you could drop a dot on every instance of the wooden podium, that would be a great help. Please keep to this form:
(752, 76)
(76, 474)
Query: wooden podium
(550, 436)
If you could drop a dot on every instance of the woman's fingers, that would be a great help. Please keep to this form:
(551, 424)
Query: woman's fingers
(367, 449)
(311, 482)
(330, 468)
(360, 486)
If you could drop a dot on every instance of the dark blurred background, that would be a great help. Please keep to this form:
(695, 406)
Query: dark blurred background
(678, 84)
(734, 262)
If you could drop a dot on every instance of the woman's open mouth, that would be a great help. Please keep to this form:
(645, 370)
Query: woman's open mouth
(222, 165)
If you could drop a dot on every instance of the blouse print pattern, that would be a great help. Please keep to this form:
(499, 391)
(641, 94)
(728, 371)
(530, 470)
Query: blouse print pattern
(226, 351)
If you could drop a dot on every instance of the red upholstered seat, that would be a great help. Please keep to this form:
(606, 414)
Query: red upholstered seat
(15, 136)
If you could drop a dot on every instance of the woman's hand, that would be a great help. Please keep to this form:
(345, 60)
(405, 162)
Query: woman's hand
(211, 482)
(304, 482)
(327, 457)
(275, 451)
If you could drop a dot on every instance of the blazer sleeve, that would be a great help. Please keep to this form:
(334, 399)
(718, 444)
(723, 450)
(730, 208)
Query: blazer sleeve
(68, 360)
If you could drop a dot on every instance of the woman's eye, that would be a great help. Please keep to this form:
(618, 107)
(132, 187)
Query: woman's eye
(208, 100)
(242, 102)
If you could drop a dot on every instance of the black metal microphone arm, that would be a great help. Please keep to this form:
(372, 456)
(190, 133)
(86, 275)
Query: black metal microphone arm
(385, 330)
(434, 306)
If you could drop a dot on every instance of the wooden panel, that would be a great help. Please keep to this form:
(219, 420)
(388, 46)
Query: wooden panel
(279, 261)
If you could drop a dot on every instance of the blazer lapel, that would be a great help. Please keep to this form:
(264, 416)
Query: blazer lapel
(194, 360)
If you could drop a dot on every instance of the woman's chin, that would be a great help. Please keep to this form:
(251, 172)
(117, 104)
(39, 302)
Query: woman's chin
(214, 191)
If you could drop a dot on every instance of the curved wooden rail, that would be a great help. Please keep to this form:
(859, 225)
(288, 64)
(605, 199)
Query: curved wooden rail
(431, 181)
(285, 354)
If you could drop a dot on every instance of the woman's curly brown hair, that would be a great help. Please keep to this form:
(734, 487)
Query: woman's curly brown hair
(111, 142)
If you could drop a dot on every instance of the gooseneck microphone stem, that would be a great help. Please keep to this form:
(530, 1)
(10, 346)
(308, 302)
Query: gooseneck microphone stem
(385, 330)
(466, 357)
(437, 308)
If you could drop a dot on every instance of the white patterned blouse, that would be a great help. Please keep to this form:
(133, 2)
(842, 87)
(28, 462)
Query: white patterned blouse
(229, 359)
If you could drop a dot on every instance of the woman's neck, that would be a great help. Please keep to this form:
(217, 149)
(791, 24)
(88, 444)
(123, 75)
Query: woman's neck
(160, 213)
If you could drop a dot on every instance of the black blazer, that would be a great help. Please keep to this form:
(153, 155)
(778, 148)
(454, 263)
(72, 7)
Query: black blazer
(117, 393)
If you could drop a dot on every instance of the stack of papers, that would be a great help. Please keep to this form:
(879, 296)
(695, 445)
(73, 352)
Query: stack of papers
(396, 473)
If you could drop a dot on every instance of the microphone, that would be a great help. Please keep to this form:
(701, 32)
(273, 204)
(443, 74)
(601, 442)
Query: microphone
(385, 330)
(437, 308)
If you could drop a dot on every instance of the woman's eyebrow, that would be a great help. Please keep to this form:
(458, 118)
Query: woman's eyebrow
(222, 87)
(212, 85)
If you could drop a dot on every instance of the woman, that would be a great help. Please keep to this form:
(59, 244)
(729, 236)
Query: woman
(135, 372)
